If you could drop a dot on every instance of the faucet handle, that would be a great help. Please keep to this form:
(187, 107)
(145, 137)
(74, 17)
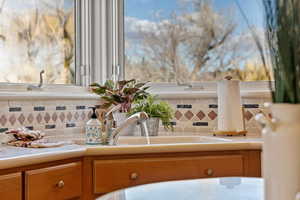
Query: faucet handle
(140, 116)
(143, 116)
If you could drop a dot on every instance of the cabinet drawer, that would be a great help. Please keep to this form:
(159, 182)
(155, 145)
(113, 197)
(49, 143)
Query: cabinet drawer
(110, 175)
(58, 182)
(11, 186)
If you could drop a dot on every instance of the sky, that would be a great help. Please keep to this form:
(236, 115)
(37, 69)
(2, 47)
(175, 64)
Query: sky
(145, 9)
(18, 5)
(141, 14)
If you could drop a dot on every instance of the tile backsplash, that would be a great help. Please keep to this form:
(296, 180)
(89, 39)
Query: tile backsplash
(67, 118)
(200, 116)
(57, 117)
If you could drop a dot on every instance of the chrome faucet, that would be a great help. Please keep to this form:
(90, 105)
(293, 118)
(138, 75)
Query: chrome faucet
(114, 133)
(40, 85)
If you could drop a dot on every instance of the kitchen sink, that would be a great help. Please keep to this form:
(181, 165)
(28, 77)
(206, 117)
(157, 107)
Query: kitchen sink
(170, 140)
(138, 140)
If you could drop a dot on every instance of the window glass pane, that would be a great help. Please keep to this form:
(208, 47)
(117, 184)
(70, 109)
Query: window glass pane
(192, 40)
(37, 35)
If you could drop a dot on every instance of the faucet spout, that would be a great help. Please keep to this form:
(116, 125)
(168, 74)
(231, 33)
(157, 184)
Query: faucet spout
(137, 117)
(39, 86)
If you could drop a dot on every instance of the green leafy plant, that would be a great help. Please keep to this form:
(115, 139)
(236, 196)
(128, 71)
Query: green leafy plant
(155, 108)
(283, 41)
(122, 93)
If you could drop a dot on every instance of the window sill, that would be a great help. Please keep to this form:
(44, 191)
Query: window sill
(258, 89)
(55, 92)
(45, 95)
(209, 94)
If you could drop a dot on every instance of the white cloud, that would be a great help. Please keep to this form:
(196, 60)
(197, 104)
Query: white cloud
(133, 26)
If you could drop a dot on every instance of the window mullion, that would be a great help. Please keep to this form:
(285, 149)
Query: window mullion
(84, 37)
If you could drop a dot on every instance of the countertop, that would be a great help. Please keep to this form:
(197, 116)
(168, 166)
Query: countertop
(231, 188)
(16, 156)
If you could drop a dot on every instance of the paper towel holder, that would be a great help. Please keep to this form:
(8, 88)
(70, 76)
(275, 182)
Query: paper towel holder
(233, 133)
(230, 133)
(228, 78)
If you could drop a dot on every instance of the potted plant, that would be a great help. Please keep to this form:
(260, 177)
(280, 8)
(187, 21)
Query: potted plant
(122, 93)
(281, 133)
(157, 111)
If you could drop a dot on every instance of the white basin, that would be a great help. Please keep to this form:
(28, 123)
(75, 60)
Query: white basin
(170, 140)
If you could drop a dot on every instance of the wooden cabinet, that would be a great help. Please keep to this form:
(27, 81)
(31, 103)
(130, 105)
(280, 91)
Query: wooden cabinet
(110, 175)
(58, 182)
(11, 186)
(88, 177)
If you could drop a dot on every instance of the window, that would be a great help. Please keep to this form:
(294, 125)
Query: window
(37, 35)
(184, 41)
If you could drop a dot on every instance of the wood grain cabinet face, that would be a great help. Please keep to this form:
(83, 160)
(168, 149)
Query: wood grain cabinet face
(110, 175)
(11, 186)
(58, 182)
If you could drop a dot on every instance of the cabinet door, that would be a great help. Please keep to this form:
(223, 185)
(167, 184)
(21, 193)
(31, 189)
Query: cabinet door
(11, 186)
(58, 182)
(110, 175)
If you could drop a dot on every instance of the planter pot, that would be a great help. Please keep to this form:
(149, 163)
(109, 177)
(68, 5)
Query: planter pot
(120, 118)
(153, 127)
(281, 152)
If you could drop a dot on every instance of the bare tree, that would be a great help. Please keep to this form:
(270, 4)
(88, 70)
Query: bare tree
(162, 45)
(62, 34)
(43, 38)
(209, 31)
(2, 3)
(185, 44)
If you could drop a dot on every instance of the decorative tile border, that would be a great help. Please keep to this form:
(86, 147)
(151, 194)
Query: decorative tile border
(60, 108)
(192, 116)
(15, 109)
(53, 117)
(185, 106)
(200, 123)
(201, 115)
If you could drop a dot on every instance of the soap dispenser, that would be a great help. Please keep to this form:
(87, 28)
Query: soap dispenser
(93, 129)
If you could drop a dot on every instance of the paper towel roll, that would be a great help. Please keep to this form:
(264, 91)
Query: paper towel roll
(230, 113)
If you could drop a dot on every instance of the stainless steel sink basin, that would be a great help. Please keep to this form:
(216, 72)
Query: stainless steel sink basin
(170, 140)
(131, 140)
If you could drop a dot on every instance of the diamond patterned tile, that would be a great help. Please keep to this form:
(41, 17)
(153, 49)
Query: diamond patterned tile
(21, 119)
(76, 116)
(12, 119)
(30, 118)
(83, 116)
(248, 115)
(69, 116)
(178, 115)
(3, 120)
(39, 118)
(189, 115)
(47, 117)
(62, 117)
(200, 115)
(212, 115)
(54, 117)
(89, 114)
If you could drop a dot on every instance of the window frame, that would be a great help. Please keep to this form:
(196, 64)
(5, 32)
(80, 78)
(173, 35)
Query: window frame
(80, 11)
(100, 46)
(254, 87)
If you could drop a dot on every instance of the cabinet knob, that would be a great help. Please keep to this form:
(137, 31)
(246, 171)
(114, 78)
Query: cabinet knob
(134, 176)
(209, 172)
(60, 184)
